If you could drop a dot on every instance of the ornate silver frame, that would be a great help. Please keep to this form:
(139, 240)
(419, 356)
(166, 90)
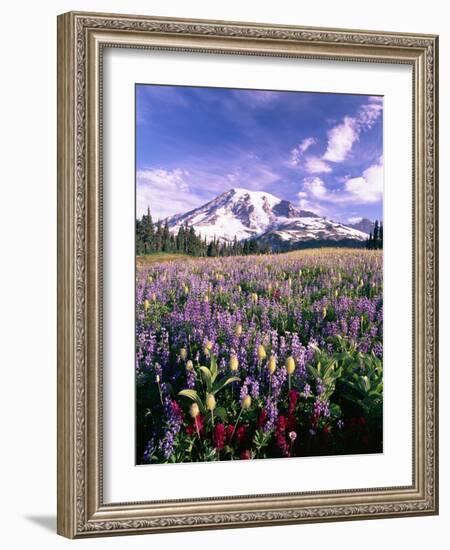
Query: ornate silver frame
(81, 38)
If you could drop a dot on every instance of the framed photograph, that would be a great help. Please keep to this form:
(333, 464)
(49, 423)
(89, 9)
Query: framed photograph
(247, 274)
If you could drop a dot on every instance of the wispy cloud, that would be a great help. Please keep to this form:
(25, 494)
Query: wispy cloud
(365, 189)
(165, 192)
(315, 165)
(340, 140)
(298, 151)
(257, 98)
(178, 190)
(342, 137)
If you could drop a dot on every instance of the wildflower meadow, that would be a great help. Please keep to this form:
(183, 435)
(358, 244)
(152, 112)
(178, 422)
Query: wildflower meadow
(254, 357)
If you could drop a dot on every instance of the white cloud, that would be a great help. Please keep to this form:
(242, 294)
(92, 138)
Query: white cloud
(355, 219)
(298, 151)
(311, 164)
(315, 165)
(359, 191)
(257, 98)
(341, 139)
(368, 114)
(164, 191)
(306, 144)
(315, 187)
(367, 188)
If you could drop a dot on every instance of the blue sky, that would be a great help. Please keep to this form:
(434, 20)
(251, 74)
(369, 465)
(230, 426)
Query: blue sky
(323, 152)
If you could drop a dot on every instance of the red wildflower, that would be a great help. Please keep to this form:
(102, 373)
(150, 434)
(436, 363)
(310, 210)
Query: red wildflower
(177, 409)
(262, 419)
(219, 436)
(326, 429)
(361, 421)
(246, 455)
(192, 428)
(280, 436)
(229, 431)
(241, 434)
(282, 443)
(293, 398)
(281, 423)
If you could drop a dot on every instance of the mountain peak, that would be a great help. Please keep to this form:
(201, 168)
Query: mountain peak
(363, 224)
(244, 214)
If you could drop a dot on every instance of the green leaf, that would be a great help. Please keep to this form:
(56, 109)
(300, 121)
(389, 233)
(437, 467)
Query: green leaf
(193, 396)
(213, 368)
(221, 413)
(313, 371)
(220, 384)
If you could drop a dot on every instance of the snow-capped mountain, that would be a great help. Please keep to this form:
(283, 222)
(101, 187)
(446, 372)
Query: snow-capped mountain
(248, 214)
(364, 224)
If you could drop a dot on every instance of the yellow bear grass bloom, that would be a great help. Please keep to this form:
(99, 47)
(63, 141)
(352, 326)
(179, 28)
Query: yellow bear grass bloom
(146, 305)
(290, 365)
(254, 298)
(272, 365)
(210, 402)
(247, 402)
(194, 411)
(261, 352)
(238, 330)
(190, 365)
(208, 347)
(234, 363)
(183, 354)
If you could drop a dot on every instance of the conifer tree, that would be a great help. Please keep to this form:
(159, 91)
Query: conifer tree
(165, 239)
(375, 235)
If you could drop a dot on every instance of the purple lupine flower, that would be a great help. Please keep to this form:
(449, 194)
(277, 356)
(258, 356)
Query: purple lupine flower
(272, 413)
(149, 450)
(190, 379)
(320, 388)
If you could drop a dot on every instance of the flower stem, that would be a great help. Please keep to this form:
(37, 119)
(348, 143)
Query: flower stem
(160, 394)
(198, 433)
(237, 422)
